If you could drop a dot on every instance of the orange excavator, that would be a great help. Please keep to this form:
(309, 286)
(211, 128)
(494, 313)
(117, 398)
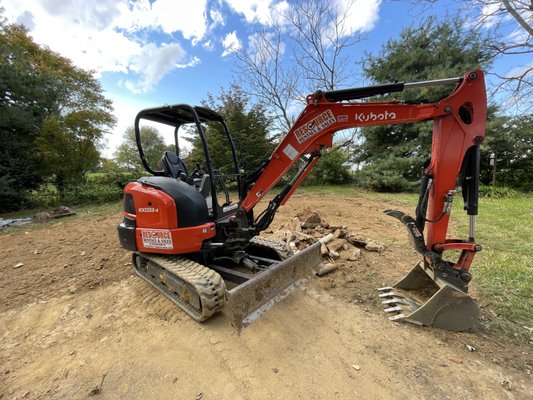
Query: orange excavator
(201, 247)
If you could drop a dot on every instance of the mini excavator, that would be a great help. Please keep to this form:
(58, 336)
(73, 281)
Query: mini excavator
(202, 249)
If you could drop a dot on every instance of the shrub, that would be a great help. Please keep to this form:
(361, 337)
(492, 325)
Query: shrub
(330, 169)
(388, 175)
(91, 192)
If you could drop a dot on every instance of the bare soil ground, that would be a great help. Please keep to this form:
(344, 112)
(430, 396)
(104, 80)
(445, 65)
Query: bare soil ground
(74, 313)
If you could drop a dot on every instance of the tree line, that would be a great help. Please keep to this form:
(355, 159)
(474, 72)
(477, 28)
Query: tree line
(53, 115)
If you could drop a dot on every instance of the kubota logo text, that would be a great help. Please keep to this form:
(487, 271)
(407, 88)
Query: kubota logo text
(366, 117)
(314, 126)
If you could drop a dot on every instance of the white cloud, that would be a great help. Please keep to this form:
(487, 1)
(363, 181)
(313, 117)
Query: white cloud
(187, 18)
(217, 18)
(491, 15)
(153, 63)
(231, 43)
(195, 61)
(107, 35)
(361, 15)
(254, 10)
(208, 45)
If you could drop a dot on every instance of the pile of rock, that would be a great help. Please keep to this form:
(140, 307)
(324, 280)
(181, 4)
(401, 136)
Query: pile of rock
(58, 212)
(339, 245)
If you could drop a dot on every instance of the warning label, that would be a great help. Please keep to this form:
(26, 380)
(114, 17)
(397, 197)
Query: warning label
(314, 126)
(157, 239)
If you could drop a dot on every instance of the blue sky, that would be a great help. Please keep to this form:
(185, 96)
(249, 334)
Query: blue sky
(148, 53)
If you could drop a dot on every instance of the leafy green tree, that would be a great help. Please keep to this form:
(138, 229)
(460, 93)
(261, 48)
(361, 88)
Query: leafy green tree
(330, 168)
(127, 154)
(52, 117)
(27, 96)
(511, 140)
(395, 154)
(249, 126)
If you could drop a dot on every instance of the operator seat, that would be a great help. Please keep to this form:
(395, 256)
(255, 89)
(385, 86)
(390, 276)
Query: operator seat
(174, 166)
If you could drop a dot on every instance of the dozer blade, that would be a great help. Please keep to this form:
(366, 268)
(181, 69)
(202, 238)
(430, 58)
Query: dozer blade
(421, 300)
(248, 301)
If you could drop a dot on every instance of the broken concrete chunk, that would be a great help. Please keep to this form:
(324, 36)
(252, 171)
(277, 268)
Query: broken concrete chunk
(352, 254)
(334, 255)
(327, 268)
(303, 236)
(356, 255)
(295, 225)
(356, 240)
(336, 244)
(287, 236)
(374, 247)
(310, 219)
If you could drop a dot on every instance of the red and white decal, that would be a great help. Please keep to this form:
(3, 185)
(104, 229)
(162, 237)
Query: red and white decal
(314, 126)
(156, 239)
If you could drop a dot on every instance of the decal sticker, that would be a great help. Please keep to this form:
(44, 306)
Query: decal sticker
(230, 207)
(342, 118)
(290, 152)
(314, 126)
(365, 117)
(156, 239)
(148, 210)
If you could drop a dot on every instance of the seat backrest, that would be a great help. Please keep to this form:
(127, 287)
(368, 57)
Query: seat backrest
(174, 166)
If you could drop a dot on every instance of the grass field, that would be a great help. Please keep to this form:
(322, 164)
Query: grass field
(504, 269)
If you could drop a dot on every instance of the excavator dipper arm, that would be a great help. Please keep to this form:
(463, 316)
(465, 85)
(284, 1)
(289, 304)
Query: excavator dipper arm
(458, 130)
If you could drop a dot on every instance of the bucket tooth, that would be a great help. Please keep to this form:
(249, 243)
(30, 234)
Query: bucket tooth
(389, 294)
(421, 300)
(398, 317)
(394, 309)
(395, 300)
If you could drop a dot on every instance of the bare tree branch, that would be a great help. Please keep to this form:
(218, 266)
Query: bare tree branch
(302, 50)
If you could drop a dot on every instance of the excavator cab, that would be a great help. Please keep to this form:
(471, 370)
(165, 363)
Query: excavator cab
(209, 180)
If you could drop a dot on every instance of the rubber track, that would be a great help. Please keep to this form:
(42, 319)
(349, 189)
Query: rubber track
(279, 246)
(207, 283)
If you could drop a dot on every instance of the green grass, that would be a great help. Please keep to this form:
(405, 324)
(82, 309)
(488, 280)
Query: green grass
(350, 190)
(503, 271)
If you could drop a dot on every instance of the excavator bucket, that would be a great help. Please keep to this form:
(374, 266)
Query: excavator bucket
(422, 300)
(248, 301)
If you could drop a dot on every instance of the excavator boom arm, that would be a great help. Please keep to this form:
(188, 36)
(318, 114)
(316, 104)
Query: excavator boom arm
(458, 130)
(322, 118)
